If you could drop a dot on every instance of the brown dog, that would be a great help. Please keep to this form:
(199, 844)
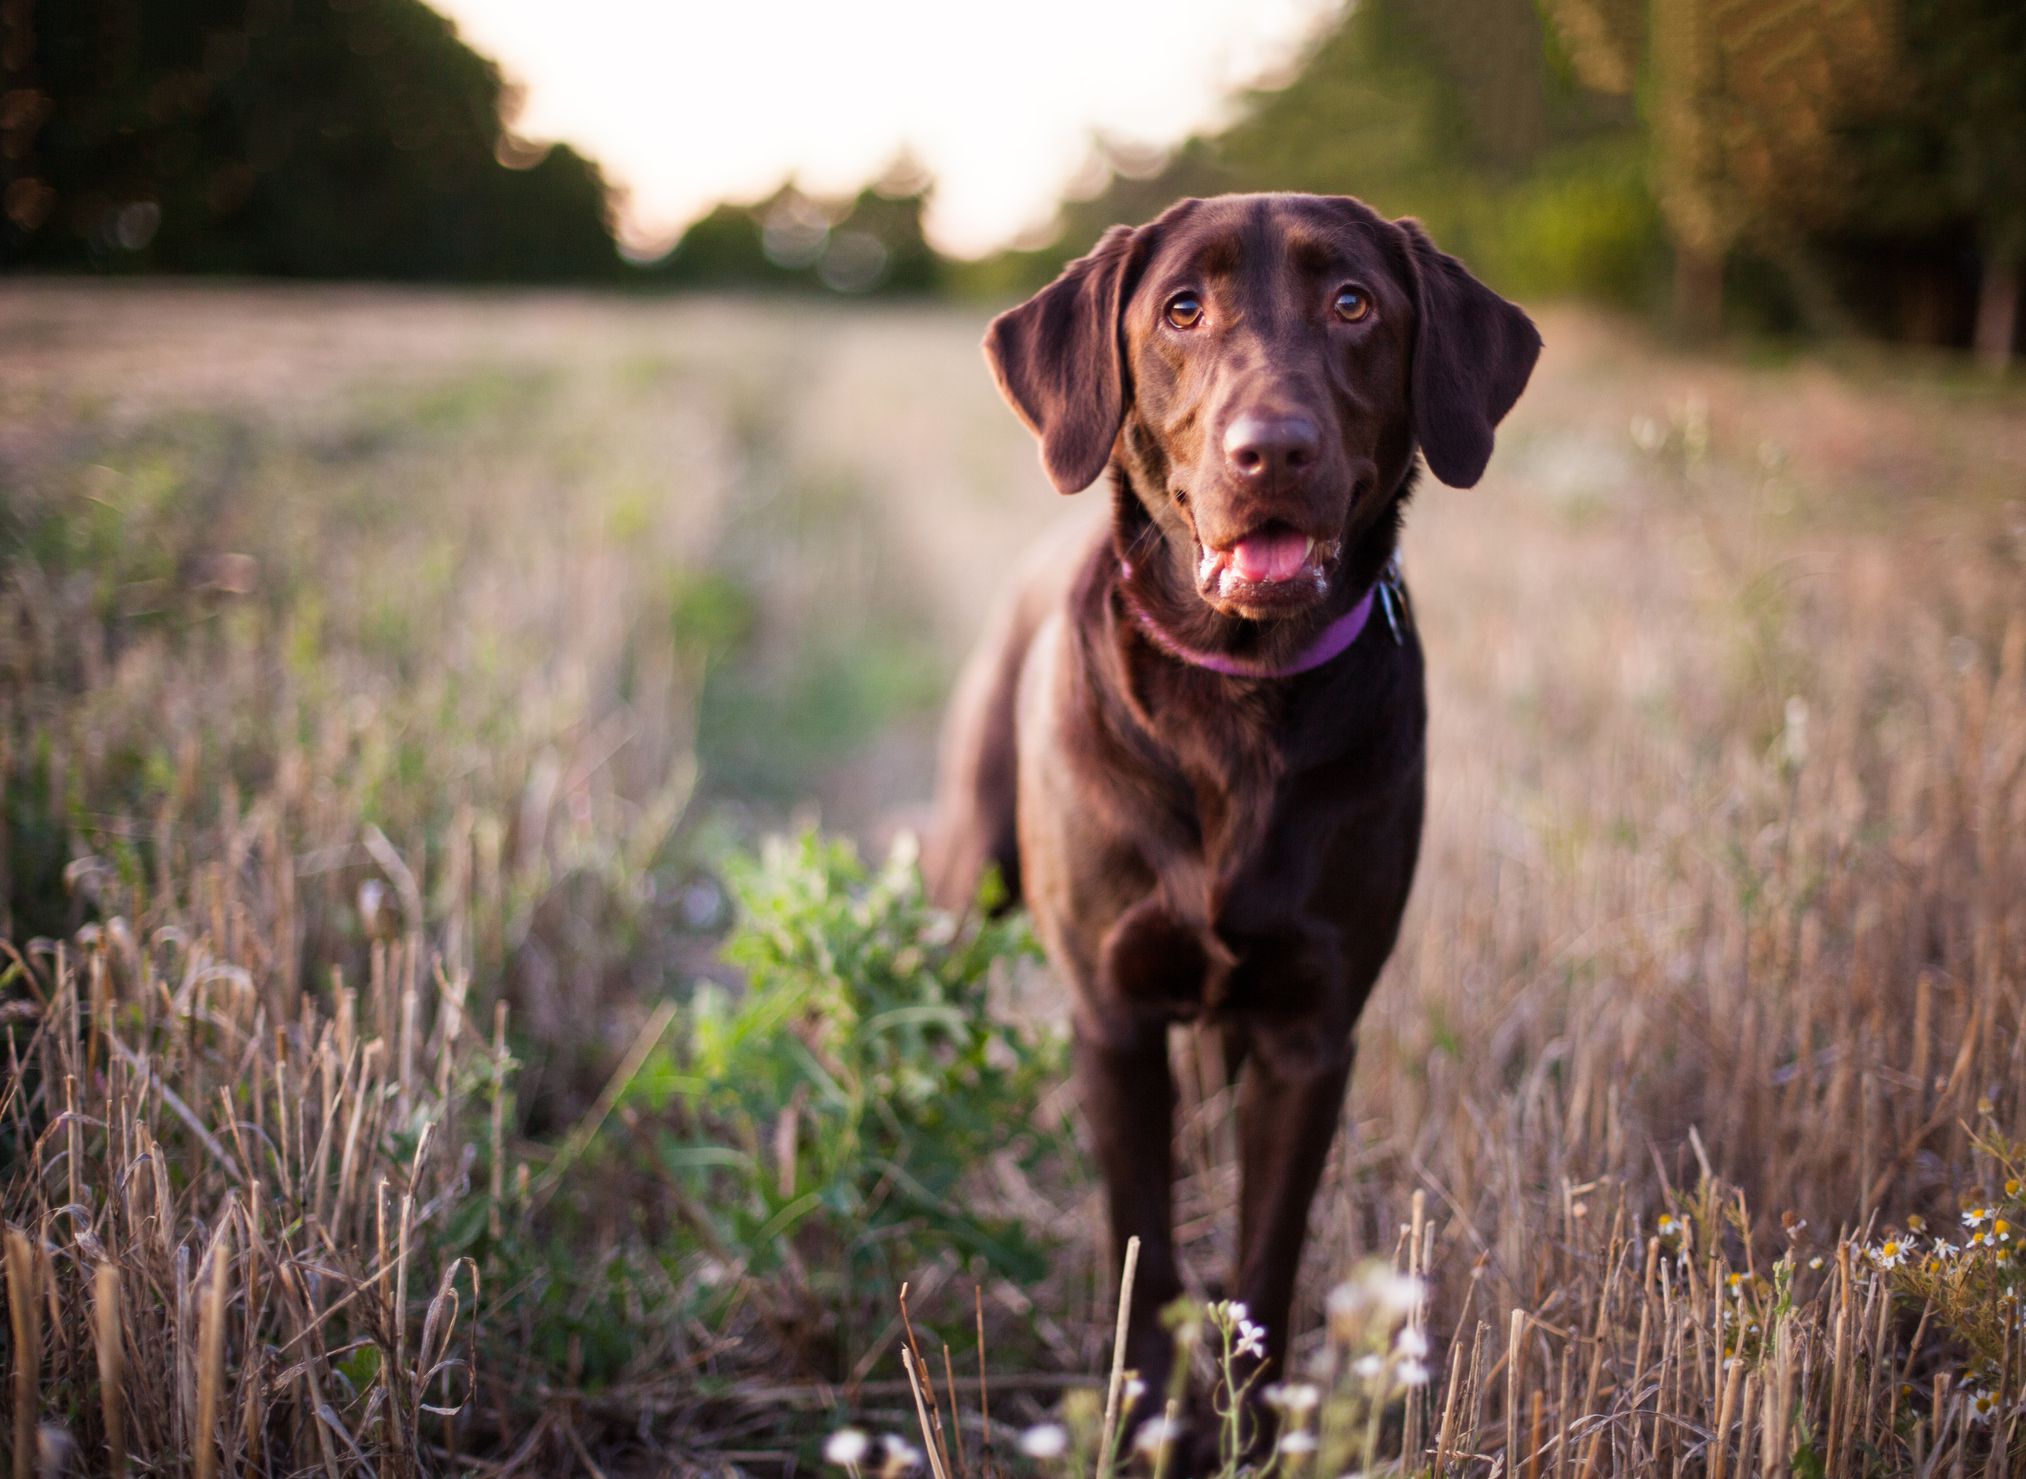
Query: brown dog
(1193, 745)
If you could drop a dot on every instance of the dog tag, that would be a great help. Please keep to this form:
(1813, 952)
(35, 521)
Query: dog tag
(1389, 595)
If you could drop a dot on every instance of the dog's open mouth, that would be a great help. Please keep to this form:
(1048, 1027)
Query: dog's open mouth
(1275, 566)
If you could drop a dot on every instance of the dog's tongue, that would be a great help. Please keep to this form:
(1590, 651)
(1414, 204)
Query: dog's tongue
(1278, 555)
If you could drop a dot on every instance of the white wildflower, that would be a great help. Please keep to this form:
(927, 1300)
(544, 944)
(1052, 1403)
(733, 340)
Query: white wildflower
(1292, 1397)
(1047, 1440)
(1251, 1340)
(1402, 1294)
(1155, 1434)
(1344, 1307)
(845, 1447)
(901, 1455)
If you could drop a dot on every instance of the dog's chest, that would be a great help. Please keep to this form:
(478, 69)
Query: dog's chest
(1253, 845)
(1231, 916)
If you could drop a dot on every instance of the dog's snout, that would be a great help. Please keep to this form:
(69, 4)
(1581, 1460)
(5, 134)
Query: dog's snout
(1263, 448)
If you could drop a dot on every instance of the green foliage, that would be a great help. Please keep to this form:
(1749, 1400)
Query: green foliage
(1458, 113)
(835, 1112)
(789, 1149)
(1582, 225)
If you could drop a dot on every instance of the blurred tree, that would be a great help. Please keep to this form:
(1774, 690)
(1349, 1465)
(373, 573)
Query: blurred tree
(1741, 99)
(721, 249)
(1461, 112)
(1940, 157)
(328, 138)
(1796, 147)
(870, 243)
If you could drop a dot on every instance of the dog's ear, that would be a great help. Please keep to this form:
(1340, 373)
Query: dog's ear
(1060, 363)
(1473, 353)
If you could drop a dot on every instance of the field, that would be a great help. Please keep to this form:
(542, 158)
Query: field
(394, 689)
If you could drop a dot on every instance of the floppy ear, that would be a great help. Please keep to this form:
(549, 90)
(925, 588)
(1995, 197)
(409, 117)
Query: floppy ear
(1473, 353)
(1060, 365)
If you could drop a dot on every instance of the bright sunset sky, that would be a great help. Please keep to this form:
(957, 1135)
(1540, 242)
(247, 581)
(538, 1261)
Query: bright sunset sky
(687, 103)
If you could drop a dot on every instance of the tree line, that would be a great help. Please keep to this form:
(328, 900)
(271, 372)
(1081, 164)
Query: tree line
(1799, 166)
(1807, 166)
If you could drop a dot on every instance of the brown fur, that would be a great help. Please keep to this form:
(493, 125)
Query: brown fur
(1194, 846)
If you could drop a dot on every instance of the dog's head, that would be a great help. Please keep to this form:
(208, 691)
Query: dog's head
(1262, 368)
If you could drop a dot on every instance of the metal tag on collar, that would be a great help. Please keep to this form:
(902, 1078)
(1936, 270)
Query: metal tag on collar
(1389, 595)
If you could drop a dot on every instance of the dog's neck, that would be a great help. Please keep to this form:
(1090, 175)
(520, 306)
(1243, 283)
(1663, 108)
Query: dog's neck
(1157, 568)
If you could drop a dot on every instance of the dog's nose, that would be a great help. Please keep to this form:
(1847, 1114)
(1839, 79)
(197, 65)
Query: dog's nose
(1271, 447)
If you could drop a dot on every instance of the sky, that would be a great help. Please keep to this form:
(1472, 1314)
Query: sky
(689, 102)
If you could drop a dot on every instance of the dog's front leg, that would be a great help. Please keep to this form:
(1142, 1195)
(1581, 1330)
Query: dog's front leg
(1288, 1108)
(1129, 1097)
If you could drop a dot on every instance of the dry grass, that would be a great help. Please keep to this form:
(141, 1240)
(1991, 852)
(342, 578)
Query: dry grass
(228, 1175)
(358, 656)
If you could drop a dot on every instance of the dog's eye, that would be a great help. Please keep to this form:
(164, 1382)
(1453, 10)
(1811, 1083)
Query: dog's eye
(1185, 310)
(1352, 304)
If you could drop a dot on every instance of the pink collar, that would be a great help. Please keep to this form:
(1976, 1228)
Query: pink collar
(1330, 642)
